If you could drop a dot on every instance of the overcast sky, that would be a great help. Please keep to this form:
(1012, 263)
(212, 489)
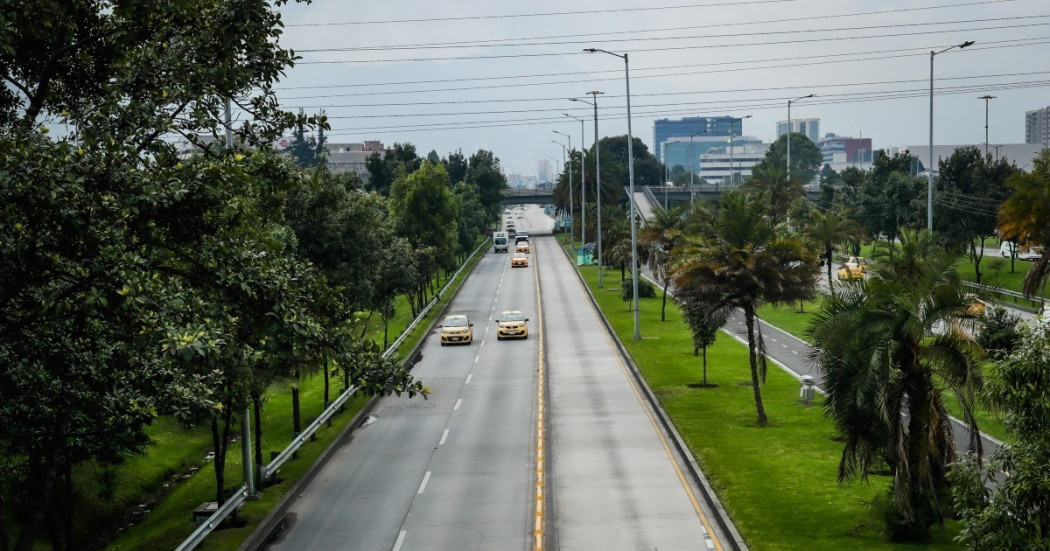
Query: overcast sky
(498, 75)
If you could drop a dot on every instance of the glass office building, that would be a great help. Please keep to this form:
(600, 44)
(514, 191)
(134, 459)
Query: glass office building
(665, 130)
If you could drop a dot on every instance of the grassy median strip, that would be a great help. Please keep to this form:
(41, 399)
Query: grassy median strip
(171, 521)
(779, 482)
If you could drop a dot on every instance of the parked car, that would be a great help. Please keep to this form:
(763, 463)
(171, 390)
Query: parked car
(457, 329)
(1008, 248)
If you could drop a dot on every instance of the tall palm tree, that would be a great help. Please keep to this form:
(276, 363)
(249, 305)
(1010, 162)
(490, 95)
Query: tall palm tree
(828, 230)
(662, 233)
(1025, 218)
(771, 186)
(885, 369)
(741, 260)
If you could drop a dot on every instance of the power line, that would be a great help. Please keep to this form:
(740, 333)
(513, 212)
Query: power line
(640, 71)
(591, 36)
(539, 14)
(654, 94)
(691, 47)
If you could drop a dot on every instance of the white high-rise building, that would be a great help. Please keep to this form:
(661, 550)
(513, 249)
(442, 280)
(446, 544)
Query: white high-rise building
(1037, 127)
(807, 127)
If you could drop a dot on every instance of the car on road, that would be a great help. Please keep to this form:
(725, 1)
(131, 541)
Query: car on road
(850, 273)
(522, 236)
(974, 306)
(1008, 248)
(522, 247)
(511, 325)
(457, 329)
(857, 262)
(519, 260)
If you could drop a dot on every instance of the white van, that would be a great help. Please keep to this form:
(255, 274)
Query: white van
(500, 242)
(1008, 248)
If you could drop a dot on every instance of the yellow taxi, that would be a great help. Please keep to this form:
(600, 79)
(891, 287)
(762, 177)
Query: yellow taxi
(974, 306)
(519, 260)
(457, 329)
(847, 272)
(857, 263)
(522, 247)
(511, 325)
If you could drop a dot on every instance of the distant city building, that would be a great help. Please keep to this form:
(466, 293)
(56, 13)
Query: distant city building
(679, 130)
(345, 157)
(544, 171)
(1037, 127)
(693, 156)
(841, 151)
(807, 127)
(1020, 154)
(718, 163)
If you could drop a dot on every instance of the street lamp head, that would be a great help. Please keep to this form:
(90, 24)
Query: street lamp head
(987, 96)
(590, 50)
(965, 44)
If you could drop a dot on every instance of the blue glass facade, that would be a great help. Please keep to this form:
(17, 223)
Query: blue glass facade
(687, 126)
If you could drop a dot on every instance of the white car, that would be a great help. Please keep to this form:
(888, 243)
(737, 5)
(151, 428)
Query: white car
(1009, 247)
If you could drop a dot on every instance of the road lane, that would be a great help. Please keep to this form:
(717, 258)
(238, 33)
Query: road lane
(471, 442)
(615, 484)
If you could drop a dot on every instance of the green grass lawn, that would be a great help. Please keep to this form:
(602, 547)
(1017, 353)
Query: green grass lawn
(778, 482)
(174, 448)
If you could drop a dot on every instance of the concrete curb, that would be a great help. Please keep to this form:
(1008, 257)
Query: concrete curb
(736, 541)
(262, 534)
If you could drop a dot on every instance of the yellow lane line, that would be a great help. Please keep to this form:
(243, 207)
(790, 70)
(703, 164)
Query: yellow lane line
(538, 525)
(659, 433)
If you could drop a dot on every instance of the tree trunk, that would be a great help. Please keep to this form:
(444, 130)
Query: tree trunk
(977, 259)
(663, 306)
(296, 414)
(749, 317)
(218, 462)
(41, 491)
(831, 284)
(257, 417)
(386, 326)
(4, 536)
(324, 366)
(705, 366)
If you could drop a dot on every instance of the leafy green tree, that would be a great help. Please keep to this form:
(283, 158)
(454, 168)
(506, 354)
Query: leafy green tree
(307, 152)
(702, 324)
(456, 165)
(472, 216)
(647, 170)
(1025, 218)
(970, 189)
(806, 158)
(663, 233)
(485, 174)
(433, 157)
(424, 210)
(383, 170)
(999, 331)
(770, 186)
(739, 260)
(884, 375)
(1014, 517)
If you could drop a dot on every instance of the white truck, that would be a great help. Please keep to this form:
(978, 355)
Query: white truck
(499, 242)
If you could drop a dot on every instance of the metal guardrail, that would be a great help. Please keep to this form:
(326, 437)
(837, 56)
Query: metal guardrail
(265, 471)
(653, 202)
(214, 520)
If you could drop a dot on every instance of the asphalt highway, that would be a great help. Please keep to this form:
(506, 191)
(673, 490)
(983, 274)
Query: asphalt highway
(458, 471)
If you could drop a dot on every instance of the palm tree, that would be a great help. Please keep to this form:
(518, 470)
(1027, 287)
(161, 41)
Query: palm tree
(616, 238)
(885, 369)
(771, 186)
(662, 233)
(829, 229)
(740, 260)
(1025, 218)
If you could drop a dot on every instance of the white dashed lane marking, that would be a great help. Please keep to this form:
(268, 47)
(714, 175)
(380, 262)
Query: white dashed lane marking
(444, 435)
(458, 402)
(423, 486)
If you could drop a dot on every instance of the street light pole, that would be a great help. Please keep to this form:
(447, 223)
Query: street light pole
(929, 169)
(630, 171)
(986, 97)
(572, 244)
(583, 181)
(790, 128)
(597, 178)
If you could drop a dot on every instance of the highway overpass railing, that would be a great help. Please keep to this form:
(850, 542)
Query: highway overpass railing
(267, 471)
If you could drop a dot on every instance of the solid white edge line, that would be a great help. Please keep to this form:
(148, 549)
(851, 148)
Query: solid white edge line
(458, 402)
(423, 486)
(444, 435)
(400, 540)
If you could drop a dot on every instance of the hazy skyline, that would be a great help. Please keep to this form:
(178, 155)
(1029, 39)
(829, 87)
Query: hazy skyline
(497, 75)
